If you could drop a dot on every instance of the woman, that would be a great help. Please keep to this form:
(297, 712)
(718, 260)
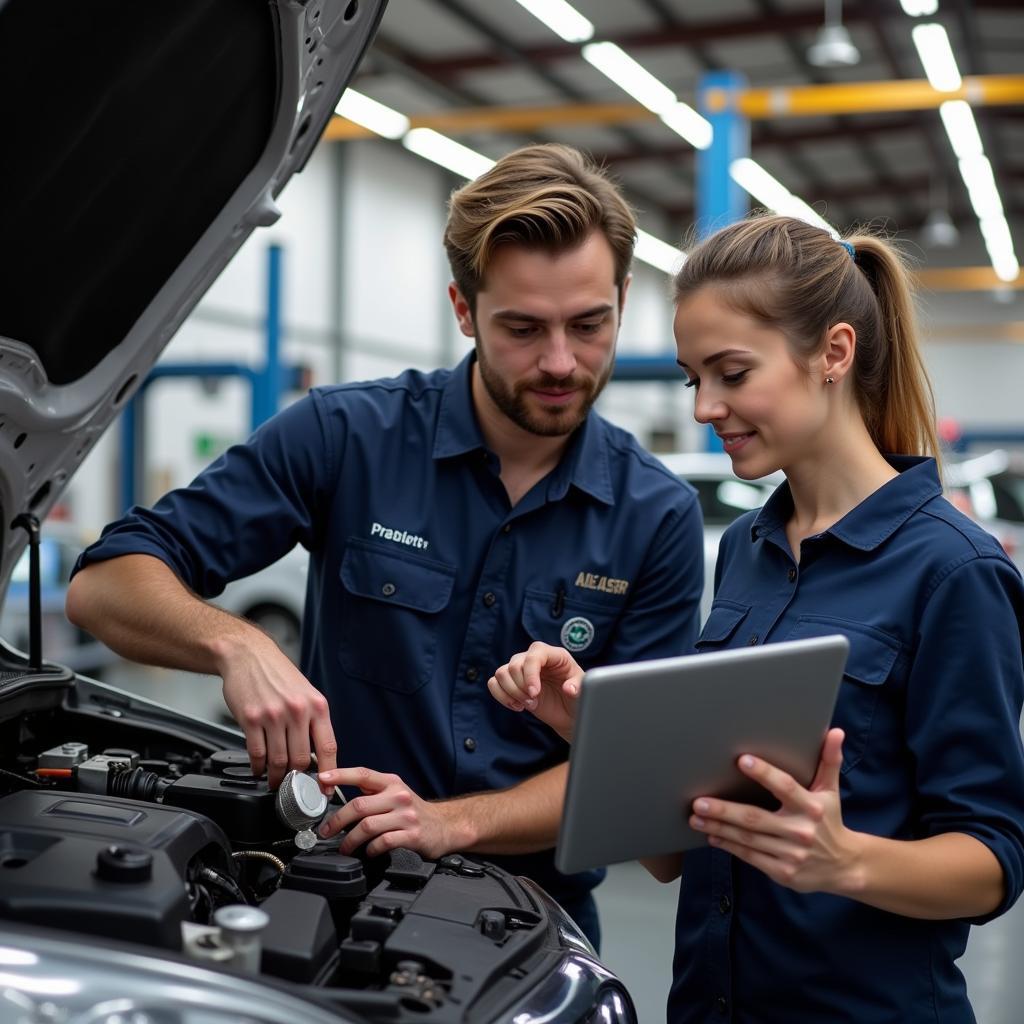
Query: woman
(853, 900)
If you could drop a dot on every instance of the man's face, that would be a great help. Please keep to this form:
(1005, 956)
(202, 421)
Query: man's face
(545, 330)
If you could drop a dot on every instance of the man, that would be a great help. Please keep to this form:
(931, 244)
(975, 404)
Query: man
(451, 518)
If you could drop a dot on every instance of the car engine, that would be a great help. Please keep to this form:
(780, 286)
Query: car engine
(123, 821)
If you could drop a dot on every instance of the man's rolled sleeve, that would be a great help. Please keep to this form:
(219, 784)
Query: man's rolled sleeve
(246, 510)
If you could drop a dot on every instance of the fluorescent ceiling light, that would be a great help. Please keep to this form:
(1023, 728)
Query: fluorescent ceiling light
(693, 127)
(562, 18)
(754, 179)
(617, 65)
(372, 115)
(937, 56)
(996, 233)
(999, 244)
(919, 8)
(961, 128)
(657, 253)
(773, 195)
(802, 211)
(981, 186)
(431, 145)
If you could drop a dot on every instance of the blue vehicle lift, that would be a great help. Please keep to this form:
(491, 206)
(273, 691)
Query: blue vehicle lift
(266, 383)
(720, 201)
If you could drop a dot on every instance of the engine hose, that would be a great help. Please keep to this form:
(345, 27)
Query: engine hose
(225, 884)
(262, 855)
(137, 784)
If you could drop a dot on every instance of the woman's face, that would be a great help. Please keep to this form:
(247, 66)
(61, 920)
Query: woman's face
(767, 409)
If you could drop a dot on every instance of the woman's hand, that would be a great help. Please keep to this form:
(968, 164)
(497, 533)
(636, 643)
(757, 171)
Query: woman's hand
(544, 680)
(804, 844)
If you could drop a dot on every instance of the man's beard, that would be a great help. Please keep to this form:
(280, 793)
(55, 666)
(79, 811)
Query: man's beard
(545, 422)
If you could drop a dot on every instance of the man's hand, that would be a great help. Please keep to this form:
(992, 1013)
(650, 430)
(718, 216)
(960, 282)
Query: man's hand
(390, 815)
(544, 680)
(804, 844)
(278, 709)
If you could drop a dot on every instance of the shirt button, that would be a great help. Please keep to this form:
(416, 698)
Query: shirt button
(507, 528)
(722, 1005)
(724, 905)
(472, 672)
(792, 575)
(752, 642)
(489, 599)
(388, 589)
(469, 743)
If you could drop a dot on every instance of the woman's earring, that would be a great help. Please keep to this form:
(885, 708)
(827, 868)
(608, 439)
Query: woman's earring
(830, 380)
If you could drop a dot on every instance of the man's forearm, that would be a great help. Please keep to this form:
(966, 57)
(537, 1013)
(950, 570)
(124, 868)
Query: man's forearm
(139, 608)
(522, 819)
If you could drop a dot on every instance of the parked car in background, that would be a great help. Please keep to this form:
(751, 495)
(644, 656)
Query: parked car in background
(990, 488)
(273, 598)
(60, 543)
(723, 497)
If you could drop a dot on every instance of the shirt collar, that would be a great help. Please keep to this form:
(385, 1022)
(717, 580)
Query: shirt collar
(457, 430)
(877, 517)
(584, 464)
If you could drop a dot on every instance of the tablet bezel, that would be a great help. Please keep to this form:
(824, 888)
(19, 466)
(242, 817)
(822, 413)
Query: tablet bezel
(652, 736)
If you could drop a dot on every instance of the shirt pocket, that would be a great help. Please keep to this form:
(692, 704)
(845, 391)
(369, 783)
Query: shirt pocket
(869, 665)
(583, 628)
(722, 622)
(390, 615)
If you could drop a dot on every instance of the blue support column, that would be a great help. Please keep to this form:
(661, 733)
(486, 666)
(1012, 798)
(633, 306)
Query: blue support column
(266, 385)
(266, 392)
(720, 201)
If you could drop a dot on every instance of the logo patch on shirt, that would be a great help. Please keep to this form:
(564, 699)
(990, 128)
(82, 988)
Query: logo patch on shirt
(398, 536)
(577, 634)
(591, 581)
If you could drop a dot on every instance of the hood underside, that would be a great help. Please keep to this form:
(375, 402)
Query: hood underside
(142, 145)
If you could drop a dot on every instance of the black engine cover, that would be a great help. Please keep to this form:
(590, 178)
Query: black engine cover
(56, 868)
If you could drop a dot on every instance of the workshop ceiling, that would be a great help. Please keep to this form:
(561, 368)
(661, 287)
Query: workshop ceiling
(887, 169)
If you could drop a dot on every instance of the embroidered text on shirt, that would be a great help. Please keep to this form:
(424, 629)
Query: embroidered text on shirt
(399, 536)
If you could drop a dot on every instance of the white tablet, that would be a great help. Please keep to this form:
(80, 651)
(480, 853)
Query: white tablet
(652, 736)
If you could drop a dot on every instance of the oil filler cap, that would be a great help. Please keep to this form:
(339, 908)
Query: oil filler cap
(119, 863)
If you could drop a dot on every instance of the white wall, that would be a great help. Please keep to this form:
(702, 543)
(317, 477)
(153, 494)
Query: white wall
(365, 280)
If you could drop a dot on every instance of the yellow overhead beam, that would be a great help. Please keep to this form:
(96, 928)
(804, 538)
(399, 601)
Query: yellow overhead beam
(464, 120)
(964, 279)
(786, 101)
(864, 97)
(1012, 330)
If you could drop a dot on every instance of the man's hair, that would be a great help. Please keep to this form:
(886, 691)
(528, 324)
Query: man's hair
(538, 197)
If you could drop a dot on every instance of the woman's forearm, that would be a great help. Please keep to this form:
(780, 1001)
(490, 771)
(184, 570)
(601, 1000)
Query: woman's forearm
(946, 876)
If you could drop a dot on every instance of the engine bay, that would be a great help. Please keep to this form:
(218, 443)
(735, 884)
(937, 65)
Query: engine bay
(124, 821)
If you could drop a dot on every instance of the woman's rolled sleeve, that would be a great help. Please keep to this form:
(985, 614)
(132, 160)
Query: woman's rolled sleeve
(963, 713)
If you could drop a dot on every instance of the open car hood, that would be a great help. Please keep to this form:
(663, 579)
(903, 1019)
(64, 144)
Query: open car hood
(142, 145)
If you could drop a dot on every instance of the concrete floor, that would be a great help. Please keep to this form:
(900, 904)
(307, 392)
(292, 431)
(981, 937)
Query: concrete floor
(638, 913)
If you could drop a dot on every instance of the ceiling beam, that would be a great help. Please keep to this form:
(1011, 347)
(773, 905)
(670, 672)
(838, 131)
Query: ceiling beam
(691, 33)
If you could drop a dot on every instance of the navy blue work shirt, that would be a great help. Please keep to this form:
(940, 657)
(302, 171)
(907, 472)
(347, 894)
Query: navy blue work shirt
(424, 579)
(930, 703)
